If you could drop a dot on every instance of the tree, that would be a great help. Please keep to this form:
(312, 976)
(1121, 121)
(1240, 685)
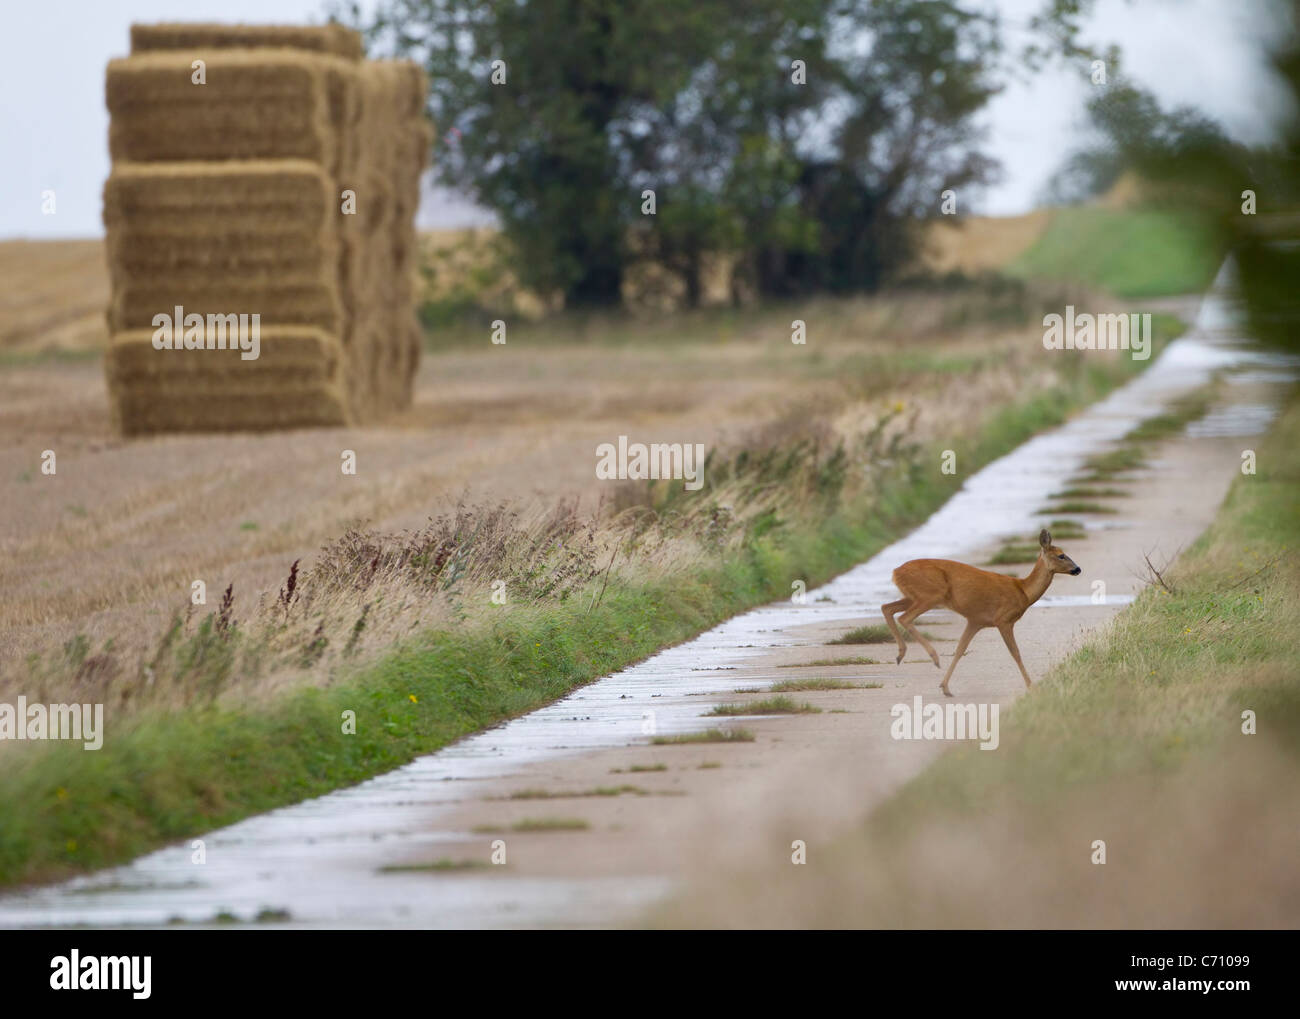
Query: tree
(810, 179)
(1129, 129)
(545, 145)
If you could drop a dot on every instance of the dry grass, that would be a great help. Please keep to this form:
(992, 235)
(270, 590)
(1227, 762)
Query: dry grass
(55, 296)
(976, 244)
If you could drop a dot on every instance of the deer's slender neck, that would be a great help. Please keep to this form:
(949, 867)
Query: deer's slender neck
(1038, 581)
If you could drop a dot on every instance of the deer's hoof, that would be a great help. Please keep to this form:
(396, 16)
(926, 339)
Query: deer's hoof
(899, 659)
(945, 691)
(935, 659)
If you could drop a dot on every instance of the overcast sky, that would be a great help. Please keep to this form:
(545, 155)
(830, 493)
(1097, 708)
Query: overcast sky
(54, 124)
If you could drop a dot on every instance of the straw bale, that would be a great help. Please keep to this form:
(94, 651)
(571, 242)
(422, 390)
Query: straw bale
(141, 410)
(293, 353)
(186, 222)
(333, 38)
(225, 199)
(256, 104)
(134, 305)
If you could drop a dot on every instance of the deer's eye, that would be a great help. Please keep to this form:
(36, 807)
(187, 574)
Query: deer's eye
(1061, 556)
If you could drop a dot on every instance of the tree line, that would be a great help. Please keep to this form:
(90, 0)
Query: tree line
(802, 139)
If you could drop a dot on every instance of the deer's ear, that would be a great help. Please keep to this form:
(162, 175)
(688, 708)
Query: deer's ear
(1044, 537)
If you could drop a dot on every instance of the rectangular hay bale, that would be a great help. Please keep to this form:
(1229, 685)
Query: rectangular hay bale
(186, 223)
(333, 38)
(255, 104)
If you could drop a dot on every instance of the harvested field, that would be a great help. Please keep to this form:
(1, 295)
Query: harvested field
(109, 546)
(55, 297)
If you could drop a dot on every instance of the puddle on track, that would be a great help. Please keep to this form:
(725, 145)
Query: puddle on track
(319, 860)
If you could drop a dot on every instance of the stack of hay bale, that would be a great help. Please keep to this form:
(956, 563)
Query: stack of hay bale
(231, 197)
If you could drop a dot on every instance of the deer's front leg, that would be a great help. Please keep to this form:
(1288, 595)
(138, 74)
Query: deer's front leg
(966, 635)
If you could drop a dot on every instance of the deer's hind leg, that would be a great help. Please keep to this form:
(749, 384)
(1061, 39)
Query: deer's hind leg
(888, 610)
(919, 608)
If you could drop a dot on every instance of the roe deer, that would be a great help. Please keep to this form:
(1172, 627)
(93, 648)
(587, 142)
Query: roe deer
(984, 598)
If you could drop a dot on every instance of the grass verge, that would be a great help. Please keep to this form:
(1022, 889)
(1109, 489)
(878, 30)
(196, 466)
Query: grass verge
(1131, 253)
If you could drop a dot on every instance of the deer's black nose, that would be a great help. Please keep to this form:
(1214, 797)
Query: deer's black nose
(1076, 571)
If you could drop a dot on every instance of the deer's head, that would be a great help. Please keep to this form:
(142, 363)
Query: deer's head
(1056, 560)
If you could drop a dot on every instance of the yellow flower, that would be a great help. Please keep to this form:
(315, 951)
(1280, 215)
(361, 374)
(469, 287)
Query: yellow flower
(72, 845)
(61, 793)
(414, 699)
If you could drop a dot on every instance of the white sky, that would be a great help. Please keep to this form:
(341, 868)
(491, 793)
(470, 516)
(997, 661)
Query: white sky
(54, 125)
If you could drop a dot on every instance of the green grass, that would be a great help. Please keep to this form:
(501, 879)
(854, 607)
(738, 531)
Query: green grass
(830, 663)
(1173, 422)
(1120, 460)
(819, 683)
(767, 706)
(1010, 554)
(1090, 493)
(638, 768)
(537, 824)
(548, 794)
(877, 633)
(441, 865)
(164, 777)
(1131, 253)
(1077, 507)
(707, 736)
